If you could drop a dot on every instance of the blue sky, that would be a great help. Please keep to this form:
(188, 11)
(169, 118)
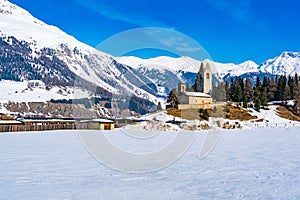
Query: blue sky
(229, 30)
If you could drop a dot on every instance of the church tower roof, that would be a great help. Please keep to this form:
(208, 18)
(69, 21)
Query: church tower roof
(207, 68)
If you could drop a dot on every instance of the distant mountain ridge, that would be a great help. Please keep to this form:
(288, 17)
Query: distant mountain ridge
(185, 68)
(288, 63)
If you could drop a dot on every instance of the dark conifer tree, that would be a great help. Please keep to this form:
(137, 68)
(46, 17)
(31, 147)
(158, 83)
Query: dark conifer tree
(159, 107)
(291, 84)
(264, 92)
(236, 91)
(241, 83)
(263, 97)
(296, 107)
(232, 89)
(256, 94)
(239, 93)
(245, 102)
(258, 83)
(172, 98)
(248, 89)
(218, 92)
(227, 91)
(271, 89)
(257, 104)
(280, 88)
(287, 93)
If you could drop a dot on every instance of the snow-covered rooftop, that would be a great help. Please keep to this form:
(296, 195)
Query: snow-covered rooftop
(99, 120)
(198, 94)
(3, 122)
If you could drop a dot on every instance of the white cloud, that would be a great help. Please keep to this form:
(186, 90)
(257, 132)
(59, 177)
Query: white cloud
(171, 41)
(179, 44)
(238, 10)
(188, 49)
(113, 14)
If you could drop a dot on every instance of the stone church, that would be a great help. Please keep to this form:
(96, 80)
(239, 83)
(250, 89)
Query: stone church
(201, 98)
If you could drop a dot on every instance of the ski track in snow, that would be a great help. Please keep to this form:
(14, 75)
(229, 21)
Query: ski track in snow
(254, 164)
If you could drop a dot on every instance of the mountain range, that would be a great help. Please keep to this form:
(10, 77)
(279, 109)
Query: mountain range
(185, 68)
(32, 50)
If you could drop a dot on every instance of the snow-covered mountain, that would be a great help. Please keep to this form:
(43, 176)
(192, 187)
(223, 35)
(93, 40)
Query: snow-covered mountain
(288, 63)
(187, 64)
(167, 70)
(185, 68)
(33, 50)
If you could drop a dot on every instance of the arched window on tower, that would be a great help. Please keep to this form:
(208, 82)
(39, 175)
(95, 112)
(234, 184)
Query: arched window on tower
(207, 75)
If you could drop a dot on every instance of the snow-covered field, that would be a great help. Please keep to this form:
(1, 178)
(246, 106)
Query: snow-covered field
(18, 92)
(261, 163)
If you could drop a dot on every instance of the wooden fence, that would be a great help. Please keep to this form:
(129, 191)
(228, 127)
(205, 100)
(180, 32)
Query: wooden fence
(17, 128)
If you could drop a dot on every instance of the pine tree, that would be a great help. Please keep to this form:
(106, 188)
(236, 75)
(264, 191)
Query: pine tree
(245, 102)
(218, 92)
(236, 91)
(257, 104)
(291, 84)
(205, 114)
(287, 93)
(258, 83)
(215, 110)
(296, 80)
(271, 89)
(280, 88)
(265, 82)
(239, 93)
(264, 92)
(256, 94)
(296, 107)
(241, 83)
(263, 97)
(159, 107)
(227, 91)
(172, 98)
(194, 87)
(232, 90)
(257, 90)
(248, 89)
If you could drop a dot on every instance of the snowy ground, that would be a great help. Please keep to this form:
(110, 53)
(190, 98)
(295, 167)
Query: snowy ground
(262, 163)
(18, 92)
(159, 119)
(271, 119)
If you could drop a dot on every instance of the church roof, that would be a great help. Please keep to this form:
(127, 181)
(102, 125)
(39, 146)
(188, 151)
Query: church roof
(198, 94)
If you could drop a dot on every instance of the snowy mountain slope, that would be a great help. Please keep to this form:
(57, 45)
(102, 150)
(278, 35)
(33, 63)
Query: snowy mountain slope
(235, 70)
(20, 23)
(19, 92)
(184, 68)
(161, 63)
(31, 49)
(288, 63)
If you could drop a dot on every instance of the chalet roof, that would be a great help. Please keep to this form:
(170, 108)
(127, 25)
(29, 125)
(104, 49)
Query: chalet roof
(198, 94)
(3, 122)
(98, 120)
(46, 120)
